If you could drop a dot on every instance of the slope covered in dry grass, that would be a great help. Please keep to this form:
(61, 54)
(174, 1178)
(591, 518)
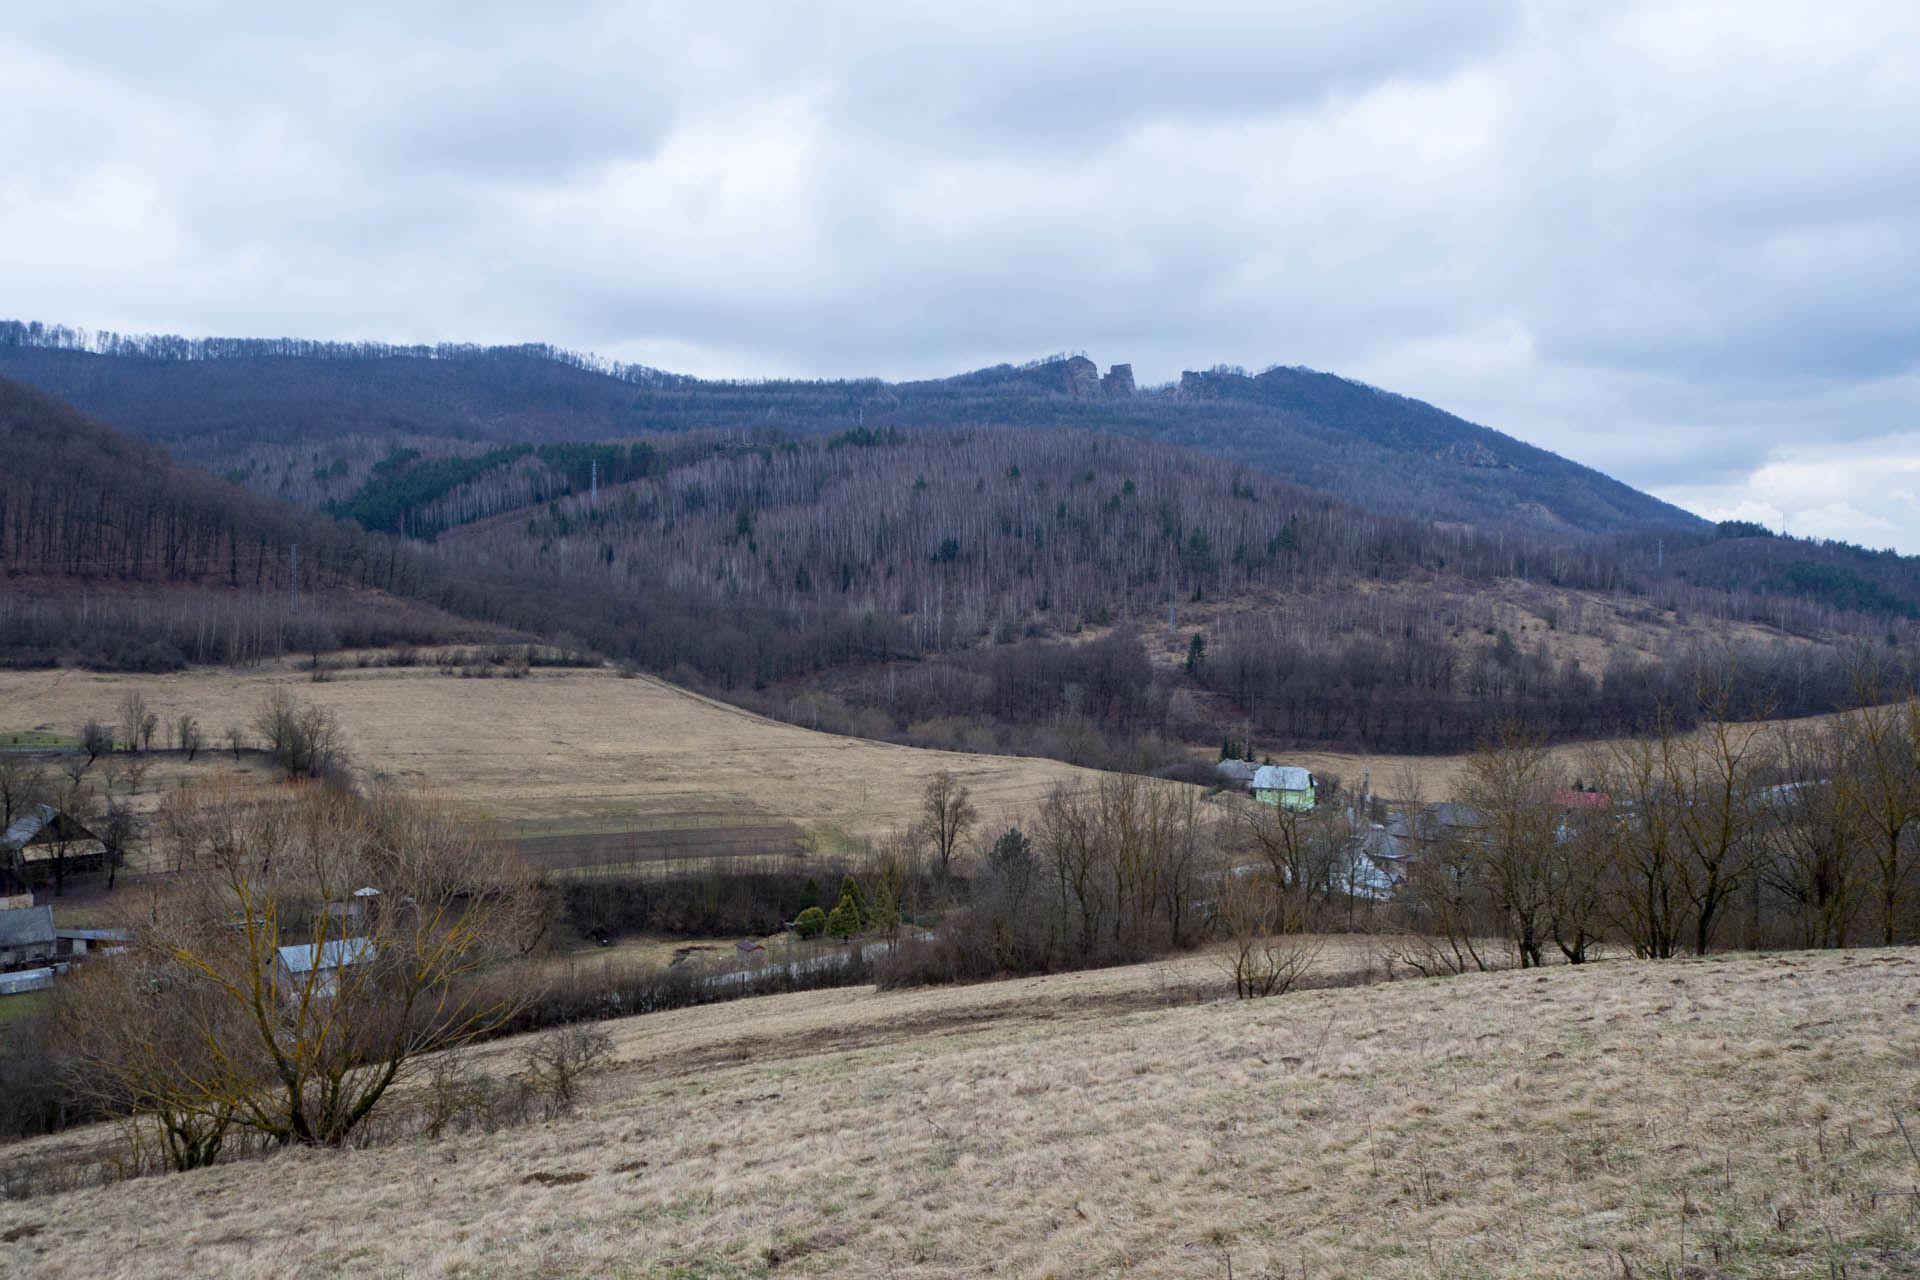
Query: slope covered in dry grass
(584, 751)
(1733, 1117)
(560, 751)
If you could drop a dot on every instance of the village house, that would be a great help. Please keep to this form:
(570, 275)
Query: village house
(39, 837)
(1288, 786)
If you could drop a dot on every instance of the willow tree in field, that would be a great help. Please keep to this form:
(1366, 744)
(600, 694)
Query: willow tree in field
(313, 946)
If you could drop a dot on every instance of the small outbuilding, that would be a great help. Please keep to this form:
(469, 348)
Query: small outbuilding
(294, 967)
(27, 938)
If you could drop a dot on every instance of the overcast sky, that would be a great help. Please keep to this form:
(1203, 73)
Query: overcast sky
(1673, 240)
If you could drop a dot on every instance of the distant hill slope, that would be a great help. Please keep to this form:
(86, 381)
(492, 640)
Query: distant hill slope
(209, 399)
(114, 555)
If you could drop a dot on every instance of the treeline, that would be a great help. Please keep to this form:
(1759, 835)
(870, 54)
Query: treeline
(117, 629)
(34, 335)
(1731, 836)
(1418, 694)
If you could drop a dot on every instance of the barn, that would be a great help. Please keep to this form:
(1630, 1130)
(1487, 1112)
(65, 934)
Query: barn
(46, 844)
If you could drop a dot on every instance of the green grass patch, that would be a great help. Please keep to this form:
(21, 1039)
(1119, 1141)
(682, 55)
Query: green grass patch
(35, 738)
(14, 1008)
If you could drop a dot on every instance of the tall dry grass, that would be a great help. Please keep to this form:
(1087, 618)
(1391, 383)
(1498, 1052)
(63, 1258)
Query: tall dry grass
(1742, 1116)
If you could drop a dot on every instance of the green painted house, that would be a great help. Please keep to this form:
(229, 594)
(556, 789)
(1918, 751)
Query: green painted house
(1288, 786)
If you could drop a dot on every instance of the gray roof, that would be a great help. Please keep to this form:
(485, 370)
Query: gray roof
(1240, 771)
(27, 826)
(328, 955)
(24, 926)
(1449, 813)
(22, 981)
(1281, 777)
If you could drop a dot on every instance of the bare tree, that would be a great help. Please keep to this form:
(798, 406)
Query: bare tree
(1716, 776)
(1877, 784)
(23, 784)
(1647, 898)
(1812, 859)
(74, 803)
(1261, 956)
(1510, 785)
(190, 737)
(948, 814)
(303, 738)
(96, 740)
(1449, 910)
(303, 1053)
(137, 720)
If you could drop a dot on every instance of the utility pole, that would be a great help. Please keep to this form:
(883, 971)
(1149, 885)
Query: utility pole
(293, 574)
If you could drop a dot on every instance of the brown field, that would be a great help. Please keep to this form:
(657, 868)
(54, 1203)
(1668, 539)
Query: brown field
(1742, 1116)
(588, 753)
(661, 846)
(563, 752)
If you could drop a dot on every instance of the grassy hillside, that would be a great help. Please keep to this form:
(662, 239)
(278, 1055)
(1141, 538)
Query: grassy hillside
(1744, 1116)
(562, 752)
(585, 752)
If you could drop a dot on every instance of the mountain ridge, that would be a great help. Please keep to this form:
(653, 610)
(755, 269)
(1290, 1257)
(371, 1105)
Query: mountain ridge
(208, 399)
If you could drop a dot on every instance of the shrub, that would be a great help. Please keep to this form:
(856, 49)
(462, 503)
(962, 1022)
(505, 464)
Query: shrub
(810, 923)
(556, 1061)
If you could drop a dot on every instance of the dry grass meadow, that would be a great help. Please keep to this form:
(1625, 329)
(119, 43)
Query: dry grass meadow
(583, 752)
(1743, 1116)
(562, 751)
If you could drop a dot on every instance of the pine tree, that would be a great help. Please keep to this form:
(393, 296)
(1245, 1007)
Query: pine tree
(845, 920)
(850, 890)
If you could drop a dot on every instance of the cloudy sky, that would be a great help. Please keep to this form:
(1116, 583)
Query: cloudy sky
(1675, 240)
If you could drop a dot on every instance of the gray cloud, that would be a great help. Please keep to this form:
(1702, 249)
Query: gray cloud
(1674, 240)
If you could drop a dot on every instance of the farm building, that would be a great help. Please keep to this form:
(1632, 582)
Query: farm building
(1236, 773)
(294, 967)
(26, 938)
(1287, 786)
(44, 843)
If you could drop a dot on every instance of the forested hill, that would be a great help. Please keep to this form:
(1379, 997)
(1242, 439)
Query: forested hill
(1059, 592)
(114, 555)
(210, 400)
